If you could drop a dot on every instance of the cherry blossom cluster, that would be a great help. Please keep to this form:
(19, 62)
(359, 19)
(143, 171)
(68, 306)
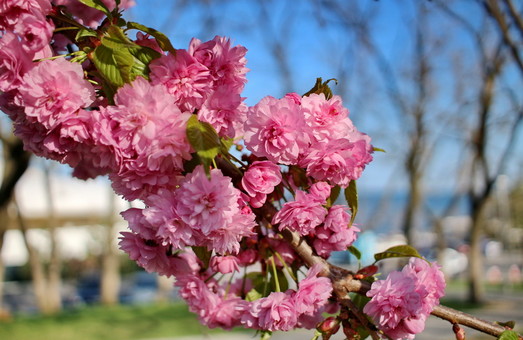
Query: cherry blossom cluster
(401, 303)
(162, 123)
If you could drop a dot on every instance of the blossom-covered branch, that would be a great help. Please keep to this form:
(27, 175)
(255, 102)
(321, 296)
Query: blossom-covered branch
(240, 203)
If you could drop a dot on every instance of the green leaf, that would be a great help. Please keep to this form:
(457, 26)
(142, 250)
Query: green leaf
(144, 54)
(134, 58)
(119, 60)
(204, 140)
(85, 32)
(321, 87)
(103, 59)
(203, 137)
(335, 192)
(97, 4)
(115, 38)
(253, 295)
(509, 335)
(378, 149)
(163, 41)
(203, 254)
(397, 251)
(126, 64)
(351, 195)
(354, 251)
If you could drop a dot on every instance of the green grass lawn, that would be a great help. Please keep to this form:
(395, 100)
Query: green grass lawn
(106, 323)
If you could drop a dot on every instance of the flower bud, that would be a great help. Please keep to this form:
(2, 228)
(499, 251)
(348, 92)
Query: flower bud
(460, 332)
(330, 325)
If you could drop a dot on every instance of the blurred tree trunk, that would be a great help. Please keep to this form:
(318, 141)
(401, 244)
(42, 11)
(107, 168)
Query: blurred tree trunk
(15, 162)
(39, 280)
(110, 278)
(46, 283)
(481, 182)
(416, 159)
(55, 263)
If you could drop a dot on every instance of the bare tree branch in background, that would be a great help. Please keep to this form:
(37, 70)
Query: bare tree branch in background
(502, 20)
(412, 113)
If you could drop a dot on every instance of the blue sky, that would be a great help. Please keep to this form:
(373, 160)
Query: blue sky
(318, 50)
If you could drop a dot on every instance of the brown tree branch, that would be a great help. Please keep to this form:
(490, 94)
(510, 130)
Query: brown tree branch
(343, 282)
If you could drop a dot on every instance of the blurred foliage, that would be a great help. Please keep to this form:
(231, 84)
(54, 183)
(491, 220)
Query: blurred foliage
(516, 204)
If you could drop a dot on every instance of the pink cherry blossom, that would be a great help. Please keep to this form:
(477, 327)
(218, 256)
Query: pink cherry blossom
(14, 62)
(225, 111)
(35, 31)
(213, 308)
(334, 234)
(12, 10)
(159, 221)
(225, 264)
(276, 129)
(313, 292)
(301, 215)
(195, 291)
(320, 191)
(275, 312)
(296, 98)
(227, 239)
(186, 263)
(138, 224)
(53, 90)
(207, 204)
(148, 133)
(226, 313)
(148, 254)
(185, 78)
(430, 278)
(225, 63)
(395, 306)
(401, 303)
(145, 113)
(339, 161)
(73, 139)
(171, 229)
(213, 207)
(328, 119)
(259, 181)
(247, 257)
